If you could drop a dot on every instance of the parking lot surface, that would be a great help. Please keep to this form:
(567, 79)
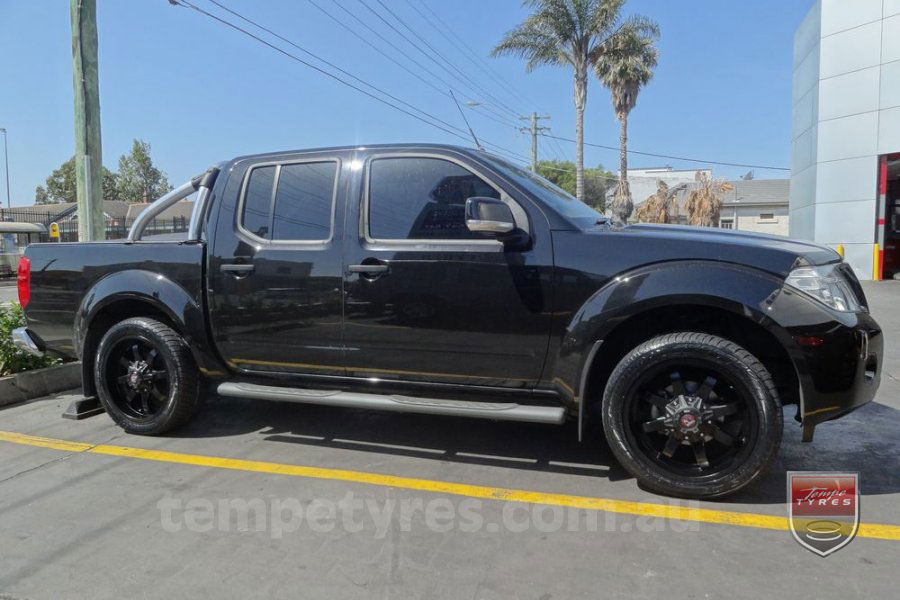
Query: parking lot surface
(267, 500)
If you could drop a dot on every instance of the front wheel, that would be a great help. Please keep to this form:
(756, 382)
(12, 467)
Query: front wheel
(692, 415)
(145, 376)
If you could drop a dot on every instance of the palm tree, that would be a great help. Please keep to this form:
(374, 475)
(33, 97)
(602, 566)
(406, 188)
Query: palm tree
(625, 69)
(661, 207)
(704, 202)
(573, 33)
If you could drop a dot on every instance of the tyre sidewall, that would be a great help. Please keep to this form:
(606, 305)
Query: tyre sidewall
(743, 369)
(140, 329)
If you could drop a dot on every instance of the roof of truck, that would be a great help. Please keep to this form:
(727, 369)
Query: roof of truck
(367, 147)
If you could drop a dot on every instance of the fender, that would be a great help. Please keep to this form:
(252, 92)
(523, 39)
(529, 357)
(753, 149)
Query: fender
(743, 291)
(182, 307)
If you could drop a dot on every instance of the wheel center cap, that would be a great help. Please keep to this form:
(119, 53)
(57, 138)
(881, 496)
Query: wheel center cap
(688, 422)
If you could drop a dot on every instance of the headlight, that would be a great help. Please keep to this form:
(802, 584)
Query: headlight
(826, 284)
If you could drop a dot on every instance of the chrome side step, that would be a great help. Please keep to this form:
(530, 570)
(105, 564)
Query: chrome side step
(503, 411)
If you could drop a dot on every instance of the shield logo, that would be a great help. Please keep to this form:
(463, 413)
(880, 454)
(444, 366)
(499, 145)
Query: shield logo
(823, 509)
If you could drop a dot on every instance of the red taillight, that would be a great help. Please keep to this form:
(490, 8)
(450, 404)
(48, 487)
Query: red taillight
(24, 281)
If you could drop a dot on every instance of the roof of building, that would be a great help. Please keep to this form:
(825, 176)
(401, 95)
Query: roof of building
(179, 210)
(114, 209)
(746, 192)
(758, 191)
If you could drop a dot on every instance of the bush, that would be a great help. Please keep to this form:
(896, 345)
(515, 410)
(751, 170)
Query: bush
(13, 360)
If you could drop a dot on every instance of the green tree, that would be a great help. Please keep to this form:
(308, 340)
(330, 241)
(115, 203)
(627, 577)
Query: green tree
(60, 185)
(624, 70)
(138, 179)
(596, 181)
(574, 34)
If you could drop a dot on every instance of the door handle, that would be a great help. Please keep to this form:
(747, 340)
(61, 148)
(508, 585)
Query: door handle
(236, 268)
(368, 269)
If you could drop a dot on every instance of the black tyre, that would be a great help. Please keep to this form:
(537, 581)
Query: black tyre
(146, 377)
(692, 415)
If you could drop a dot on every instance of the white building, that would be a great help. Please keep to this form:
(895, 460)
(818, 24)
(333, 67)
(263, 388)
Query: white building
(758, 205)
(642, 182)
(846, 131)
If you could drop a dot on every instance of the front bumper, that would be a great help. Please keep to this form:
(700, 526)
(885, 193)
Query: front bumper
(23, 341)
(841, 369)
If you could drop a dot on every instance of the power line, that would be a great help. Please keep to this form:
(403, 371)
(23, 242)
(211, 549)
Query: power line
(418, 47)
(188, 4)
(459, 133)
(396, 49)
(332, 65)
(682, 158)
(477, 85)
(464, 49)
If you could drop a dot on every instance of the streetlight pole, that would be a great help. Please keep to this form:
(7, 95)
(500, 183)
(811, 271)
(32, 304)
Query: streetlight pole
(6, 168)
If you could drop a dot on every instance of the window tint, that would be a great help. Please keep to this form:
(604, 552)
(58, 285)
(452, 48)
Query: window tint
(258, 201)
(303, 201)
(422, 198)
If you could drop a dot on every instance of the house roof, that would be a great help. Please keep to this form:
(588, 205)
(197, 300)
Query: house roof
(750, 192)
(179, 210)
(758, 191)
(113, 209)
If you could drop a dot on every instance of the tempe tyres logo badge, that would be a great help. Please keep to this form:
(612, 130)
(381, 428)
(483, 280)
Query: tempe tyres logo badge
(823, 509)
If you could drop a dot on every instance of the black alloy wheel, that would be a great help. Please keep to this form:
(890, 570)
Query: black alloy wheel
(146, 377)
(140, 377)
(692, 415)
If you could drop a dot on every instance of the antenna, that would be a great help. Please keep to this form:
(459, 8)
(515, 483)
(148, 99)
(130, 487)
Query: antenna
(459, 108)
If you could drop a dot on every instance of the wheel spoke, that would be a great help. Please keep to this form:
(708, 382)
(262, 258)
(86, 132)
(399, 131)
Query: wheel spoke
(700, 454)
(158, 394)
(136, 353)
(122, 380)
(677, 384)
(150, 357)
(719, 435)
(160, 375)
(723, 410)
(654, 425)
(656, 400)
(124, 362)
(671, 446)
(145, 403)
(708, 384)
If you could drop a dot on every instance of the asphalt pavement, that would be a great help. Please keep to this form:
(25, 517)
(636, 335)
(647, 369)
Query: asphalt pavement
(268, 500)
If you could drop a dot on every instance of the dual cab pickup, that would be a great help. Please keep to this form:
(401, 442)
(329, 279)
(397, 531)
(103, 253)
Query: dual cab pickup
(447, 281)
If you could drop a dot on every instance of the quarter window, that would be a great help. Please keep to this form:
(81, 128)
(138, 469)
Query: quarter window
(422, 199)
(301, 207)
(256, 215)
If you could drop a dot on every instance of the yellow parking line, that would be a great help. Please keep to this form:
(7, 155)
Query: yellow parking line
(644, 509)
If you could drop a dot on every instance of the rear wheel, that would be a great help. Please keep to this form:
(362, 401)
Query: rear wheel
(692, 415)
(145, 376)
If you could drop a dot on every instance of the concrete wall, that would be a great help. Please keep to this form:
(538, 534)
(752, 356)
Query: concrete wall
(846, 111)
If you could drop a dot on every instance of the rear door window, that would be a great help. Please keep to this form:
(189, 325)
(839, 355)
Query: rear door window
(301, 207)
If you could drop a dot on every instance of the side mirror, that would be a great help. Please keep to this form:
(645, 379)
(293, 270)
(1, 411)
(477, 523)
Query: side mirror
(488, 214)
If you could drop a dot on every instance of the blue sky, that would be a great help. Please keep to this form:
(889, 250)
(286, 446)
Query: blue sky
(200, 92)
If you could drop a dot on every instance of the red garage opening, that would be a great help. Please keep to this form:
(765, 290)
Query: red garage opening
(888, 226)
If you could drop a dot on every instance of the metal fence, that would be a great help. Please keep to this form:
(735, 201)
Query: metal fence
(68, 225)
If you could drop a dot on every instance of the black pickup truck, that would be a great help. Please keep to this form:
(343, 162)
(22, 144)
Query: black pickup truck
(447, 281)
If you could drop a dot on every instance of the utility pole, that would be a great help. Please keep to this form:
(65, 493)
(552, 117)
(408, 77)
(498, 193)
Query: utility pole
(6, 158)
(88, 161)
(534, 130)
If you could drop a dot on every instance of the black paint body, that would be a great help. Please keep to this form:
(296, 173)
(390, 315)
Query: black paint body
(477, 321)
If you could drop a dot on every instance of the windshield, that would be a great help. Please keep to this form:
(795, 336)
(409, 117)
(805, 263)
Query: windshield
(557, 198)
